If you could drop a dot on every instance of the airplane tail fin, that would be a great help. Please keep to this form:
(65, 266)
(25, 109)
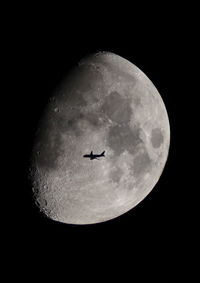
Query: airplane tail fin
(102, 154)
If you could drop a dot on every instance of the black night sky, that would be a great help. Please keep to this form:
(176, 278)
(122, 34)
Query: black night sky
(43, 48)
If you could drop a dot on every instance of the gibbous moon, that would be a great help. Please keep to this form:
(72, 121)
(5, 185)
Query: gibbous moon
(105, 104)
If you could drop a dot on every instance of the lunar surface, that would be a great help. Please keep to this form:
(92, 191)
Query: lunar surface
(105, 104)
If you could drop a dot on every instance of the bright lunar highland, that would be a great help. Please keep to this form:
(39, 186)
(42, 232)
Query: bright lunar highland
(105, 104)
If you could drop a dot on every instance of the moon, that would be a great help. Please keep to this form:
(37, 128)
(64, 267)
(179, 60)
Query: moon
(108, 104)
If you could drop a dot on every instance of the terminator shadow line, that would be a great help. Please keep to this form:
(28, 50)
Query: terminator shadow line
(94, 156)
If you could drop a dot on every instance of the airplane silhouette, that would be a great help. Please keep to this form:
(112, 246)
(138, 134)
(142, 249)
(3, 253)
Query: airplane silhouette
(94, 156)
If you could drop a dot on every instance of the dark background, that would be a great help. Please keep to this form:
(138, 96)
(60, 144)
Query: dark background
(150, 238)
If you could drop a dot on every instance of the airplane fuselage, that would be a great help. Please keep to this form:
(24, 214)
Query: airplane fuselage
(94, 156)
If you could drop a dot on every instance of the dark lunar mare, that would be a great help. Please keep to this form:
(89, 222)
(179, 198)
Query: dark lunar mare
(122, 137)
(156, 137)
(117, 108)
